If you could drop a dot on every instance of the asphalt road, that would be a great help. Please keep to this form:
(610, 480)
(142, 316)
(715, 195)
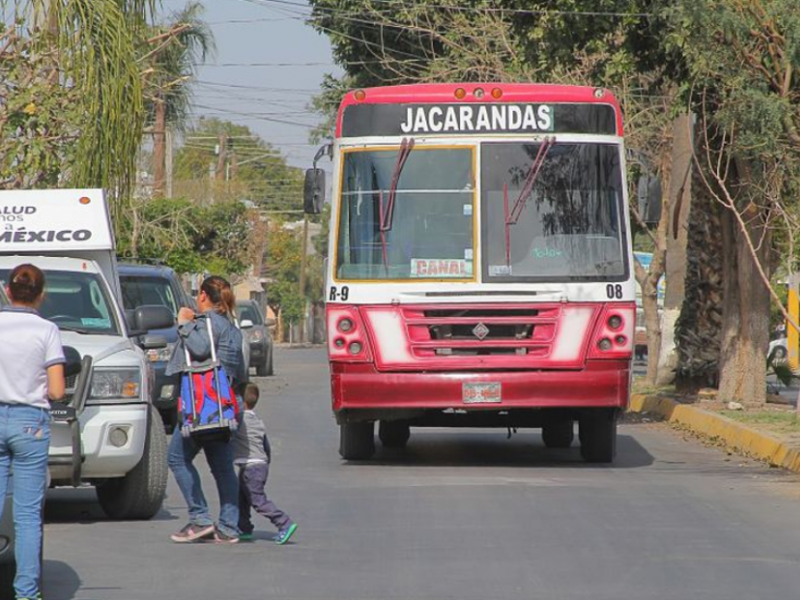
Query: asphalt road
(458, 515)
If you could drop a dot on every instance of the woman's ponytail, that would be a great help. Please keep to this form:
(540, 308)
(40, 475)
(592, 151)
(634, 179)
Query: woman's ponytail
(221, 295)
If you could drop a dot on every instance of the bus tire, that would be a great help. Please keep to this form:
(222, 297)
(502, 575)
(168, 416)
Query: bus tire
(139, 495)
(357, 440)
(558, 434)
(394, 434)
(598, 435)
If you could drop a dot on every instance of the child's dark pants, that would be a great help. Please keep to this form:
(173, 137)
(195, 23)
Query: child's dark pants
(252, 480)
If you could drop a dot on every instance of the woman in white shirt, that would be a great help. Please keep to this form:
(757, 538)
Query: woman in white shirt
(31, 375)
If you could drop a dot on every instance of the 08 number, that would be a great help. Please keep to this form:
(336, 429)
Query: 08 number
(614, 291)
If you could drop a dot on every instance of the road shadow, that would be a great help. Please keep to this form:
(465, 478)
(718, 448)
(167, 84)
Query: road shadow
(60, 581)
(493, 449)
(68, 505)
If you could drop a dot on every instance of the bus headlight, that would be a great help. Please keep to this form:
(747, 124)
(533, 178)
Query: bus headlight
(115, 385)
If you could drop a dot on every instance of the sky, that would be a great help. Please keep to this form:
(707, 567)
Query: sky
(267, 66)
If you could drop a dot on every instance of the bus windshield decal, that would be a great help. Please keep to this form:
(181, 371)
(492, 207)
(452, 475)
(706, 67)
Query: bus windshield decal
(441, 267)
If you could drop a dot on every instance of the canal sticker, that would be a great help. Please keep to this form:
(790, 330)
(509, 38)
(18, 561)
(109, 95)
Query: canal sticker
(441, 267)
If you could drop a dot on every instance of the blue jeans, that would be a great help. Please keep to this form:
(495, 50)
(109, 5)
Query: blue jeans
(182, 451)
(24, 444)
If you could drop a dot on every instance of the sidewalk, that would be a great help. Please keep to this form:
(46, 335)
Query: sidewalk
(759, 442)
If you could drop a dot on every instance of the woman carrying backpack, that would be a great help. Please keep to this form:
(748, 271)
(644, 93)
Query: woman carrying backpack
(31, 375)
(216, 303)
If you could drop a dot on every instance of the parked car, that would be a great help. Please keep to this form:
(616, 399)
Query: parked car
(257, 333)
(159, 285)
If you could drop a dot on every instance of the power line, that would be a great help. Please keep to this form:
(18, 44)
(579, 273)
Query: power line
(257, 116)
(256, 87)
(472, 9)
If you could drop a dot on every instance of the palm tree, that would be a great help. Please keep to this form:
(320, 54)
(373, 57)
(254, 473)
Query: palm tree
(178, 47)
(93, 43)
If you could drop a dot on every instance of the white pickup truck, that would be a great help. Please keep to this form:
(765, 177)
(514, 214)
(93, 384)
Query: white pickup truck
(108, 435)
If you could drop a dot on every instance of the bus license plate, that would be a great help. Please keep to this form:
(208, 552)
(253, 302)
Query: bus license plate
(478, 393)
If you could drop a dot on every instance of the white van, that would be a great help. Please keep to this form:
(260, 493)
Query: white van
(109, 435)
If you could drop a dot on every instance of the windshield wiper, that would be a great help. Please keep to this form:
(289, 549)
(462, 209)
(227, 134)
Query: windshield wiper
(81, 330)
(512, 216)
(406, 146)
(386, 214)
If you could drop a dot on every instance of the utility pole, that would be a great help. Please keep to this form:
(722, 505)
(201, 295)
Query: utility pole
(168, 160)
(222, 156)
(158, 147)
(303, 259)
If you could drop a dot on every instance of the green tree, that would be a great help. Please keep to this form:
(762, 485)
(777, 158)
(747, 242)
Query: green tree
(742, 59)
(283, 269)
(91, 47)
(188, 237)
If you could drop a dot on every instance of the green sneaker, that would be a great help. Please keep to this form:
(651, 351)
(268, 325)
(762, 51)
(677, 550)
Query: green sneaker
(285, 534)
(246, 537)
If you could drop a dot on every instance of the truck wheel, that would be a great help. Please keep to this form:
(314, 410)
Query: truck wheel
(7, 573)
(169, 418)
(265, 369)
(139, 495)
(558, 434)
(357, 440)
(394, 434)
(598, 434)
(270, 366)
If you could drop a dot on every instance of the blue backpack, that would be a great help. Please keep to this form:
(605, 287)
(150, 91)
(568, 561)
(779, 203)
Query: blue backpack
(207, 407)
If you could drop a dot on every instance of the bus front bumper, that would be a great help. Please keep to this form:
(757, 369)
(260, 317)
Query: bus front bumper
(601, 384)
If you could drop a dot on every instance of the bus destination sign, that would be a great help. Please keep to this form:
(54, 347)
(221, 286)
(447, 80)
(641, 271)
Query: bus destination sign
(362, 120)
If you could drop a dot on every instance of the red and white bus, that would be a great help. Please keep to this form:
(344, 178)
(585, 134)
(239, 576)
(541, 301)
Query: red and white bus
(480, 270)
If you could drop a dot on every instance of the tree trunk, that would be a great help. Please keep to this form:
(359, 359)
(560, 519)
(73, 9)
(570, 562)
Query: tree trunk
(679, 202)
(159, 145)
(697, 330)
(652, 324)
(745, 316)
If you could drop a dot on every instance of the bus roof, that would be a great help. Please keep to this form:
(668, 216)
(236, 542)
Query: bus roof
(510, 93)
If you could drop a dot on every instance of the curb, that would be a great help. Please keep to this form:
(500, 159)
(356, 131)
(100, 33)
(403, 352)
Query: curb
(288, 346)
(733, 434)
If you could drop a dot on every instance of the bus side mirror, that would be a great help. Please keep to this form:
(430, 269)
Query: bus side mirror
(649, 198)
(314, 191)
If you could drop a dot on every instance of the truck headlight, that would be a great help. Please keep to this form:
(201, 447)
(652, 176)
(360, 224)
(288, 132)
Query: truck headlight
(256, 335)
(160, 355)
(115, 385)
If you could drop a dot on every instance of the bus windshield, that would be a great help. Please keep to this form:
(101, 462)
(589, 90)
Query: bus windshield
(427, 232)
(552, 213)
